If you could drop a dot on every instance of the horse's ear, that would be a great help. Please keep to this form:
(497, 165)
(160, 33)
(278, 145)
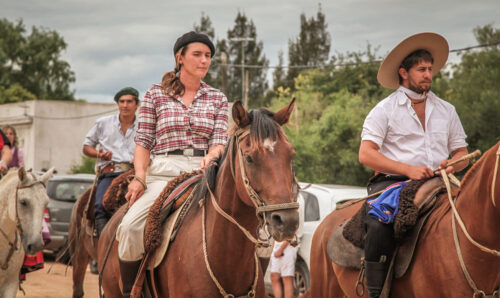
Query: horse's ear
(23, 177)
(283, 115)
(46, 176)
(240, 115)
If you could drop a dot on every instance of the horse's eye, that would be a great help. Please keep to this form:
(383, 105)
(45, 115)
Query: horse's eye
(23, 202)
(248, 158)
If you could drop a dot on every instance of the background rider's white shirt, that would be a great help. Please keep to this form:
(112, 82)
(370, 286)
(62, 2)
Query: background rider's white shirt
(394, 126)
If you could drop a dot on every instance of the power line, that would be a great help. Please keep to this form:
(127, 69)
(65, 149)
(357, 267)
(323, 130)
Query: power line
(343, 64)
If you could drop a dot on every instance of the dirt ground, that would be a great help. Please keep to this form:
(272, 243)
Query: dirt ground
(57, 283)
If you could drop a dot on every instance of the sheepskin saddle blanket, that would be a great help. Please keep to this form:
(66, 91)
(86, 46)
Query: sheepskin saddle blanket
(417, 200)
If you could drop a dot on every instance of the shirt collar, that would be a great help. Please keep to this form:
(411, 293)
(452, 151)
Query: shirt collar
(403, 98)
(116, 121)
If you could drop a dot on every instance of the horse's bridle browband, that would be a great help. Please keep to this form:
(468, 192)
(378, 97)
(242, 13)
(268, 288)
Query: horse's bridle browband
(13, 246)
(260, 207)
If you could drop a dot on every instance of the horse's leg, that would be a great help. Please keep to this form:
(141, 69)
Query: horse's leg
(80, 260)
(11, 285)
(111, 273)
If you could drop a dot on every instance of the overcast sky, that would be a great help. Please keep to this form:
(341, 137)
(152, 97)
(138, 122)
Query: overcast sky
(116, 43)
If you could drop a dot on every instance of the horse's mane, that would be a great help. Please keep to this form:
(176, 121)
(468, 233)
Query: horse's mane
(262, 126)
(475, 168)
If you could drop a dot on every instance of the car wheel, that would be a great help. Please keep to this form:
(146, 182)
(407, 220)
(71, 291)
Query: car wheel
(301, 277)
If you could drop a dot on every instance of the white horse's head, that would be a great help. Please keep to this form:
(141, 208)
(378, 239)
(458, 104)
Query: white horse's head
(28, 200)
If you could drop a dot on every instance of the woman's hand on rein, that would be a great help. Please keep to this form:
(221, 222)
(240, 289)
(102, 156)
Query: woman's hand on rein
(206, 161)
(135, 191)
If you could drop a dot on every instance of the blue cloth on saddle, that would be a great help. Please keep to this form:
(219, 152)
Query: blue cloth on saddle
(385, 207)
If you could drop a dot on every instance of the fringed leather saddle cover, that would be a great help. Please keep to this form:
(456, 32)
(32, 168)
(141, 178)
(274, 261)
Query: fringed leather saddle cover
(171, 198)
(114, 197)
(345, 246)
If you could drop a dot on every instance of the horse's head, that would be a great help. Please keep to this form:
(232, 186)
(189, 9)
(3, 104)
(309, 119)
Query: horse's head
(263, 167)
(31, 199)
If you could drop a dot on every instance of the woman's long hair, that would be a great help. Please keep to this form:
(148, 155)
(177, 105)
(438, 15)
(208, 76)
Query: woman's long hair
(171, 82)
(4, 129)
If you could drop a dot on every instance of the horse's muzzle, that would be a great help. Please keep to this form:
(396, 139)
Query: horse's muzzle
(283, 224)
(33, 247)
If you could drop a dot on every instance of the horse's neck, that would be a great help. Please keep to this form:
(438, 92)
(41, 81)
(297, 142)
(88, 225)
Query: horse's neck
(7, 201)
(477, 211)
(226, 238)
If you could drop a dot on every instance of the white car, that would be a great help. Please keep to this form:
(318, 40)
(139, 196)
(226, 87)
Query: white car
(319, 201)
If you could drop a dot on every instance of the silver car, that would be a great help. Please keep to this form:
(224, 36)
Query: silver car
(63, 191)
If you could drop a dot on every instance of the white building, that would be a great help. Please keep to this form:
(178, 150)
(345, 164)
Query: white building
(51, 132)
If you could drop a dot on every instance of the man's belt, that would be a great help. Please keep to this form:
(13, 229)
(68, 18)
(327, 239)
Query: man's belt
(116, 167)
(187, 152)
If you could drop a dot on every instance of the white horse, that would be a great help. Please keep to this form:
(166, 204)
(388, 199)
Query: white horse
(23, 199)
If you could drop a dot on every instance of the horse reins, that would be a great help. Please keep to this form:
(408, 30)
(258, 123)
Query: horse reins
(13, 246)
(494, 181)
(260, 207)
(456, 218)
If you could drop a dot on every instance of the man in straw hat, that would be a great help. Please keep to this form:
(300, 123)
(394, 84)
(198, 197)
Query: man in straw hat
(405, 136)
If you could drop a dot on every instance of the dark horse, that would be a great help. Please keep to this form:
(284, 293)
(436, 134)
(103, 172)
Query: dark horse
(214, 253)
(436, 270)
(82, 243)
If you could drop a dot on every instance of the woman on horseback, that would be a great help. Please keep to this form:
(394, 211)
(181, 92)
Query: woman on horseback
(182, 126)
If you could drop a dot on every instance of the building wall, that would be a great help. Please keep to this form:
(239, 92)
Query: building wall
(51, 133)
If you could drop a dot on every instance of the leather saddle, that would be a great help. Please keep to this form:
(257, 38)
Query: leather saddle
(343, 253)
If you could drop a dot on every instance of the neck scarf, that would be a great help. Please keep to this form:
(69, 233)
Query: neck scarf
(413, 95)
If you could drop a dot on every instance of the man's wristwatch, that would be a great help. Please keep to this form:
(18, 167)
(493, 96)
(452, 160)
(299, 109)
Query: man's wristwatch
(2, 162)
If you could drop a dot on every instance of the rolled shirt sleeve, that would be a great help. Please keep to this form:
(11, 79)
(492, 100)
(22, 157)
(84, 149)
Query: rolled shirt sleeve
(92, 137)
(219, 134)
(146, 130)
(375, 126)
(457, 136)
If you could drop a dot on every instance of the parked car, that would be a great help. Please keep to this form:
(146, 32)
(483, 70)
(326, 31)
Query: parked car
(63, 191)
(319, 201)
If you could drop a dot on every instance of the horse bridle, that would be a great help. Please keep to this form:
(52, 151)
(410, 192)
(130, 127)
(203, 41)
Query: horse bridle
(13, 246)
(456, 218)
(260, 207)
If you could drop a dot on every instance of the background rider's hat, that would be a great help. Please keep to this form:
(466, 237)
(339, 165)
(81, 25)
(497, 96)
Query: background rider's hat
(127, 91)
(432, 42)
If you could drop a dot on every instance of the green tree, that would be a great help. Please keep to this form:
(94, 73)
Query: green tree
(86, 166)
(474, 90)
(15, 93)
(310, 48)
(33, 61)
(253, 54)
(205, 26)
(325, 129)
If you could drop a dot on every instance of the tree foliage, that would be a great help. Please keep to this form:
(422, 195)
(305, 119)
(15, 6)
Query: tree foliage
(310, 48)
(33, 63)
(86, 166)
(474, 90)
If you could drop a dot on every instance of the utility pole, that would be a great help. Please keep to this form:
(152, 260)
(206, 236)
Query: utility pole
(242, 40)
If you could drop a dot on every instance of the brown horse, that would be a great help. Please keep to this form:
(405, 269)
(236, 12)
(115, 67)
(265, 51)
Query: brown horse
(211, 254)
(436, 269)
(81, 242)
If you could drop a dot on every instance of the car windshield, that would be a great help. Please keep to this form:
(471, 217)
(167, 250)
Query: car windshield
(67, 190)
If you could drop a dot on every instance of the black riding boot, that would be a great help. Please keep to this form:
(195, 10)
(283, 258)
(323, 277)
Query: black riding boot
(100, 223)
(128, 271)
(375, 277)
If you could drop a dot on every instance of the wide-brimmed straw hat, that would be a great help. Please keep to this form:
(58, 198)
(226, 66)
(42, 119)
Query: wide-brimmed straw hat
(432, 42)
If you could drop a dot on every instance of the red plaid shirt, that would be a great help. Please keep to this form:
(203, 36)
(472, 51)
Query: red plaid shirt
(165, 124)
